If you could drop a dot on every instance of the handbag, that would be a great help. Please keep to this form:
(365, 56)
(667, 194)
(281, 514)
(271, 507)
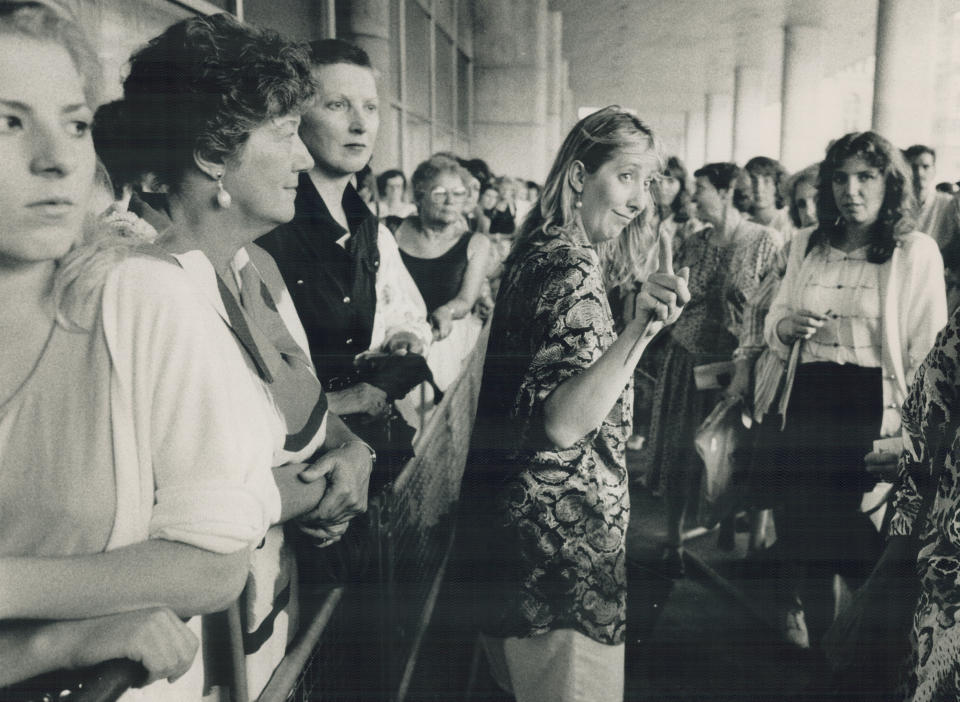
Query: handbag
(717, 441)
(867, 643)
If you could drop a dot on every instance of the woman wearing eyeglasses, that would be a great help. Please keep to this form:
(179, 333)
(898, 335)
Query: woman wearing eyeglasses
(446, 260)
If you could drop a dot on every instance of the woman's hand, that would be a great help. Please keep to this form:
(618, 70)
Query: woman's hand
(664, 294)
(403, 343)
(323, 535)
(347, 470)
(882, 465)
(442, 321)
(739, 386)
(361, 398)
(155, 638)
(801, 324)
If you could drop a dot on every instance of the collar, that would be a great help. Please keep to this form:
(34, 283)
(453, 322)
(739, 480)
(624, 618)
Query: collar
(200, 271)
(310, 206)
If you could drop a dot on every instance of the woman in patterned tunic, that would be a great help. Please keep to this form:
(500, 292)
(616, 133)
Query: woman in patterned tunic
(863, 295)
(546, 503)
(727, 260)
(931, 407)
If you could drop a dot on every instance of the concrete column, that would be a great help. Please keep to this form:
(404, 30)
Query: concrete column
(905, 72)
(694, 140)
(747, 112)
(568, 112)
(555, 87)
(510, 86)
(366, 23)
(718, 140)
(801, 135)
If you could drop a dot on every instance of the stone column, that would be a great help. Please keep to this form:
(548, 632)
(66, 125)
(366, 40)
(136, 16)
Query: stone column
(694, 139)
(718, 117)
(510, 86)
(366, 23)
(747, 107)
(555, 86)
(905, 70)
(801, 135)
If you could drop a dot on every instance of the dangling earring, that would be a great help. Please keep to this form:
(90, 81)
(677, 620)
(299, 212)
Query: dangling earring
(578, 203)
(223, 197)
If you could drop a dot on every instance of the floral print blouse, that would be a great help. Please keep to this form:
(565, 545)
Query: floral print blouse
(555, 520)
(930, 409)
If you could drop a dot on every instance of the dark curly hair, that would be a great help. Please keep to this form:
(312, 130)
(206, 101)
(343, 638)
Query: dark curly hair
(202, 86)
(765, 166)
(681, 205)
(722, 175)
(895, 217)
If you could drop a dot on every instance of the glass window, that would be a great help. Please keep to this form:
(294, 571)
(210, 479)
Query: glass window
(465, 26)
(443, 140)
(418, 142)
(387, 152)
(395, 48)
(443, 14)
(418, 59)
(444, 87)
(463, 93)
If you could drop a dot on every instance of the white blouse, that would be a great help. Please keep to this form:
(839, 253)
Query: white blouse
(845, 287)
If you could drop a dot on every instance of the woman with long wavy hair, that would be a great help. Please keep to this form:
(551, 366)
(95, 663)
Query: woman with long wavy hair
(859, 308)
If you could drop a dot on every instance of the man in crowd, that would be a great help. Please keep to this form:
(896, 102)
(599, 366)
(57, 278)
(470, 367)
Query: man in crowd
(936, 214)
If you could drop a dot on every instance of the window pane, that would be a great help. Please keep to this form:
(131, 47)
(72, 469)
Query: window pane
(387, 152)
(395, 45)
(299, 20)
(443, 14)
(465, 26)
(443, 141)
(463, 93)
(418, 59)
(444, 85)
(418, 142)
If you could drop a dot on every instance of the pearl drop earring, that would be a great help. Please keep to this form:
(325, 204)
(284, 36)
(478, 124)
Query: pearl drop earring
(223, 197)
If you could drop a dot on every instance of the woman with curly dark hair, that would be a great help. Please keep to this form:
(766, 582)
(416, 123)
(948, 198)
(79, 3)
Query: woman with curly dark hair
(211, 109)
(859, 308)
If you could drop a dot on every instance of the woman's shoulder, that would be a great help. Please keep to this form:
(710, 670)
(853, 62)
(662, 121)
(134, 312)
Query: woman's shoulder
(140, 269)
(478, 243)
(916, 243)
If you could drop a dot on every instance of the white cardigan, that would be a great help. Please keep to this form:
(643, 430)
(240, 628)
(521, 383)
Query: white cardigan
(914, 310)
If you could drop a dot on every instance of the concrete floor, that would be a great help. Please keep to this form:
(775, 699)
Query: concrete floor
(706, 637)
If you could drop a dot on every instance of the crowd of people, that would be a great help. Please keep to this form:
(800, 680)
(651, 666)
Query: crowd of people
(229, 330)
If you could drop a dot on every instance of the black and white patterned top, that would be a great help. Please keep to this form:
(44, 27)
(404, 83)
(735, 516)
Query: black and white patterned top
(554, 521)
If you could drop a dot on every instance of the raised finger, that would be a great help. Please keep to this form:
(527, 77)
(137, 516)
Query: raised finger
(665, 252)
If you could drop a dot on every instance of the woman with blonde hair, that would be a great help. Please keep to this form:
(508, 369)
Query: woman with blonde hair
(117, 516)
(545, 500)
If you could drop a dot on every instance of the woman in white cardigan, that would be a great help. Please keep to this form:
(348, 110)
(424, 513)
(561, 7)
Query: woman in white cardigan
(859, 308)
